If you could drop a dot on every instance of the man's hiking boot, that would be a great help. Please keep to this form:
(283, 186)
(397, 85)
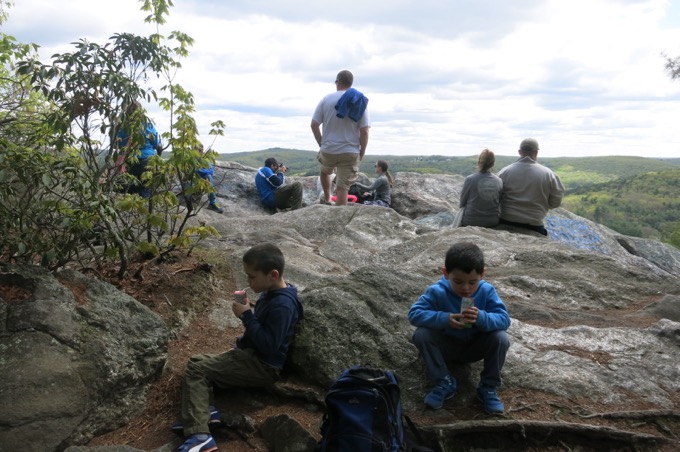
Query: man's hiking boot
(443, 390)
(492, 404)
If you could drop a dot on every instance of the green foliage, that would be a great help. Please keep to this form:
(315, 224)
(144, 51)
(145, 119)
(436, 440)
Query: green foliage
(645, 205)
(60, 184)
(675, 236)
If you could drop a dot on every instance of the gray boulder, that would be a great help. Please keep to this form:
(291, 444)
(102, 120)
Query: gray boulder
(77, 355)
(595, 314)
(573, 296)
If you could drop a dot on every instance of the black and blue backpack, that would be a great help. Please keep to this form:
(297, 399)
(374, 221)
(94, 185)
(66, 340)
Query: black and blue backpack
(363, 413)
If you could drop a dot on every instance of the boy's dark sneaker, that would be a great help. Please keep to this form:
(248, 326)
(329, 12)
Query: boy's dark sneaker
(201, 442)
(443, 390)
(214, 421)
(492, 404)
(215, 208)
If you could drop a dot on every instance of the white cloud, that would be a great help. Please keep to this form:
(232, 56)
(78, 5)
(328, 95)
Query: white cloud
(585, 77)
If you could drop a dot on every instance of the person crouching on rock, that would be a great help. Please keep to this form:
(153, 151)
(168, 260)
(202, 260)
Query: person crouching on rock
(448, 330)
(270, 181)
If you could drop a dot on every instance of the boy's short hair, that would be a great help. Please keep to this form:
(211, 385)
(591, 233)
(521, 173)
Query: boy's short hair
(464, 256)
(265, 257)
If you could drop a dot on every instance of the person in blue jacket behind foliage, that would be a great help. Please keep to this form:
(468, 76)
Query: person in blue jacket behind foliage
(446, 333)
(143, 145)
(207, 174)
(270, 181)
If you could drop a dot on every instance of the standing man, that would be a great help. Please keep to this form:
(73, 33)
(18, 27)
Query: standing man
(529, 190)
(345, 136)
(270, 181)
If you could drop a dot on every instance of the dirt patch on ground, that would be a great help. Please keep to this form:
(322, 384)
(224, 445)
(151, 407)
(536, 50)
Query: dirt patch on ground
(184, 291)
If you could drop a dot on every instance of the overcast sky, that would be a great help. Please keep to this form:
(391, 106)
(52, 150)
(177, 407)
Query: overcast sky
(447, 77)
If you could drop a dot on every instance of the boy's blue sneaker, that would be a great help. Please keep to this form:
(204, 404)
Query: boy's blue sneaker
(201, 442)
(443, 390)
(214, 421)
(492, 404)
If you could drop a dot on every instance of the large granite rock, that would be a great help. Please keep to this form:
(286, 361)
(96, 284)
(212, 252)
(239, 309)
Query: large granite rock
(595, 314)
(577, 297)
(76, 357)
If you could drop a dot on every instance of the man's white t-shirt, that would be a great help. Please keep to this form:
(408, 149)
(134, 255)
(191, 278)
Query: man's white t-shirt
(338, 135)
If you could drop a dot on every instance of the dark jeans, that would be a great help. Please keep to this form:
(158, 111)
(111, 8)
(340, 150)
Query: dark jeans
(288, 196)
(437, 348)
(212, 197)
(540, 229)
(138, 187)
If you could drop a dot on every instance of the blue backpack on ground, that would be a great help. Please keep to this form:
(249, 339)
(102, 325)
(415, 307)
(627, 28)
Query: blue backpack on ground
(364, 413)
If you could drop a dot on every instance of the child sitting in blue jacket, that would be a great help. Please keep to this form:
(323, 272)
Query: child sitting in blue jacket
(445, 334)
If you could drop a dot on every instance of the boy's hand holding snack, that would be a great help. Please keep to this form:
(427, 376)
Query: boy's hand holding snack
(240, 304)
(467, 316)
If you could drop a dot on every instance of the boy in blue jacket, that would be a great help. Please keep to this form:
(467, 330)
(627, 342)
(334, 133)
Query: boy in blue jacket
(259, 355)
(445, 334)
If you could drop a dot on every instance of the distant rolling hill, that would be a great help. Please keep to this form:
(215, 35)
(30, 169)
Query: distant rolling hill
(643, 205)
(575, 172)
(635, 196)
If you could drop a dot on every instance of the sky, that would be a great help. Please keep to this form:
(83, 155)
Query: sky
(443, 77)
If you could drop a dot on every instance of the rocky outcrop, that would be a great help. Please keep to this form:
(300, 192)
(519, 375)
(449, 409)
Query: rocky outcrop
(594, 314)
(76, 357)
(360, 268)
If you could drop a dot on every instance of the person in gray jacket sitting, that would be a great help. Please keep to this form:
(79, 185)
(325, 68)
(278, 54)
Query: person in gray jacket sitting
(380, 188)
(529, 190)
(481, 194)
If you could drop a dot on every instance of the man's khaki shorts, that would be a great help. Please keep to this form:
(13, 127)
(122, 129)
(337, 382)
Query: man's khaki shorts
(346, 167)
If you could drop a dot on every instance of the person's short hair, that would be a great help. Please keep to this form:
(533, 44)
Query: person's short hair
(132, 108)
(271, 161)
(528, 146)
(345, 78)
(265, 257)
(486, 161)
(464, 256)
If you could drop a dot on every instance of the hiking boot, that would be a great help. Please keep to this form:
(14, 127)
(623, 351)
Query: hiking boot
(214, 421)
(215, 208)
(492, 404)
(443, 390)
(201, 442)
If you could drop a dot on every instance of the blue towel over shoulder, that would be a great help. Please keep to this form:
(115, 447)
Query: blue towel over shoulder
(353, 104)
